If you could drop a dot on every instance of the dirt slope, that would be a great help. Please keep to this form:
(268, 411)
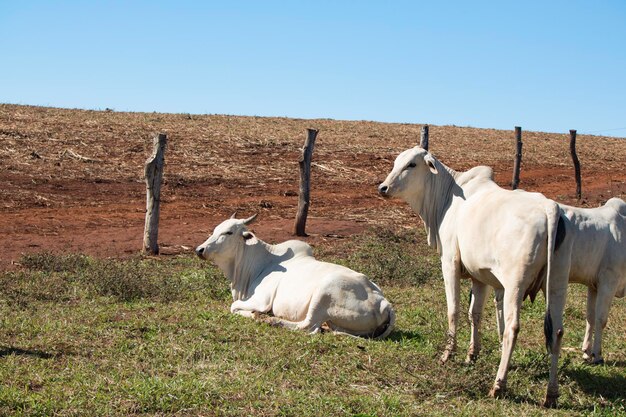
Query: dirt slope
(72, 179)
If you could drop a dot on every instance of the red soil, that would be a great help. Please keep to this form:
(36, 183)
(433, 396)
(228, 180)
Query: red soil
(215, 165)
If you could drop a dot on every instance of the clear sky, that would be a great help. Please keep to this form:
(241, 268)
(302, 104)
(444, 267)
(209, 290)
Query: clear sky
(547, 65)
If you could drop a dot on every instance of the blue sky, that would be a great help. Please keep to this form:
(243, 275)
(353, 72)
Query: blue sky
(543, 65)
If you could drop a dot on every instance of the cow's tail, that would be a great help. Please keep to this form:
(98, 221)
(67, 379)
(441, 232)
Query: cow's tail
(387, 326)
(555, 223)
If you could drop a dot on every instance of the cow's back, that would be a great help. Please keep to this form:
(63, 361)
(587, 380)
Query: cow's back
(300, 277)
(618, 205)
(502, 232)
(599, 241)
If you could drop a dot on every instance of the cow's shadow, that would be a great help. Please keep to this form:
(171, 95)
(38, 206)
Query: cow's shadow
(7, 351)
(402, 335)
(609, 387)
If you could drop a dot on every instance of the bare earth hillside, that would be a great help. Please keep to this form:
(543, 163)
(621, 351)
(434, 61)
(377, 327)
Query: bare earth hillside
(72, 180)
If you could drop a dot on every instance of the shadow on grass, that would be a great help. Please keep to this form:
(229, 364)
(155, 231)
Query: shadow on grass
(7, 351)
(401, 335)
(609, 387)
(527, 399)
(617, 364)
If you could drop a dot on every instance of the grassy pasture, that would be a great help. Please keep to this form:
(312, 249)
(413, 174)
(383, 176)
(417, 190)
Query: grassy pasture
(145, 336)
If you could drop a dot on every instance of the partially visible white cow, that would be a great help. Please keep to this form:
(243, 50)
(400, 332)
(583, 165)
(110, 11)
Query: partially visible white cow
(301, 292)
(598, 260)
(500, 238)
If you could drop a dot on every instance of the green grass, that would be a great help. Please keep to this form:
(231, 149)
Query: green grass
(80, 336)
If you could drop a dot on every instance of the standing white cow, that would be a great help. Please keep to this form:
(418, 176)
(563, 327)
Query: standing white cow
(286, 280)
(598, 260)
(500, 238)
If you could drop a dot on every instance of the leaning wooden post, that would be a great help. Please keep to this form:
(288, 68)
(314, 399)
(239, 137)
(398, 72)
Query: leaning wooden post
(305, 179)
(424, 137)
(518, 157)
(154, 176)
(572, 149)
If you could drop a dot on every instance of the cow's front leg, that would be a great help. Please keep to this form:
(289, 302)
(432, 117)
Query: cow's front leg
(452, 283)
(477, 305)
(251, 307)
(591, 318)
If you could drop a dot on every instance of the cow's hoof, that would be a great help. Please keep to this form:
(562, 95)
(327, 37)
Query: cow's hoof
(498, 390)
(471, 358)
(586, 357)
(591, 359)
(550, 401)
(447, 354)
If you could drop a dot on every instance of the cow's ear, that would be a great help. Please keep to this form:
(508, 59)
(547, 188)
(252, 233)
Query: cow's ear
(430, 163)
(247, 235)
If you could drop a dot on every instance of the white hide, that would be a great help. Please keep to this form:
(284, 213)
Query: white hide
(596, 241)
(500, 238)
(300, 291)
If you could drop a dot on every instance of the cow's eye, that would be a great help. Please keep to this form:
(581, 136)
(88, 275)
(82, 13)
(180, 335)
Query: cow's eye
(228, 233)
(411, 165)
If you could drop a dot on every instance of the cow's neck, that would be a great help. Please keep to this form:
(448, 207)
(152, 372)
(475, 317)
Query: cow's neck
(247, 264)
(435, 202)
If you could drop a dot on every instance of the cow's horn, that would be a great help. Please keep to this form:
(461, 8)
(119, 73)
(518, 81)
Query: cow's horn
(250, 219)
(233, 215)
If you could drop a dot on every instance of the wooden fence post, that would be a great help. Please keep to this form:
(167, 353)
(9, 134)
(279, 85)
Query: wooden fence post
(518, 157)
(305, 180)
(153, 175)
(572, 149)
(424, 137)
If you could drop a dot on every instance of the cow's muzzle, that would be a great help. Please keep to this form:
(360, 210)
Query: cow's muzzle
(383, 190)
(200, 251)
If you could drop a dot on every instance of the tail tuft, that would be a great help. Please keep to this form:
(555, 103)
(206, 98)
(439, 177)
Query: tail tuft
(547, 330)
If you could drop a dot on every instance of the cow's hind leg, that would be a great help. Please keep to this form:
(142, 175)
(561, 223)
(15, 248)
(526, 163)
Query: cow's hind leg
(556, 307)
(498, 300)
(340, 331)
(591, 318)
(477, 305)
(603, 304)
(316, 316)
(306, 325)
(512, 304)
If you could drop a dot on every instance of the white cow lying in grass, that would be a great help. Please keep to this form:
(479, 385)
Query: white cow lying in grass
(286, 280)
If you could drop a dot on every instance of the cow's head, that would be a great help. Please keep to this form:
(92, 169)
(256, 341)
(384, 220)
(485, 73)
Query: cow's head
(226, 237)
(409, 174)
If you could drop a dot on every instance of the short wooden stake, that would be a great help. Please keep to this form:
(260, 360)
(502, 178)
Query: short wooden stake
(305, 180)
(572, 149)
(424, 137)
(154, 176)
(518, 157)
